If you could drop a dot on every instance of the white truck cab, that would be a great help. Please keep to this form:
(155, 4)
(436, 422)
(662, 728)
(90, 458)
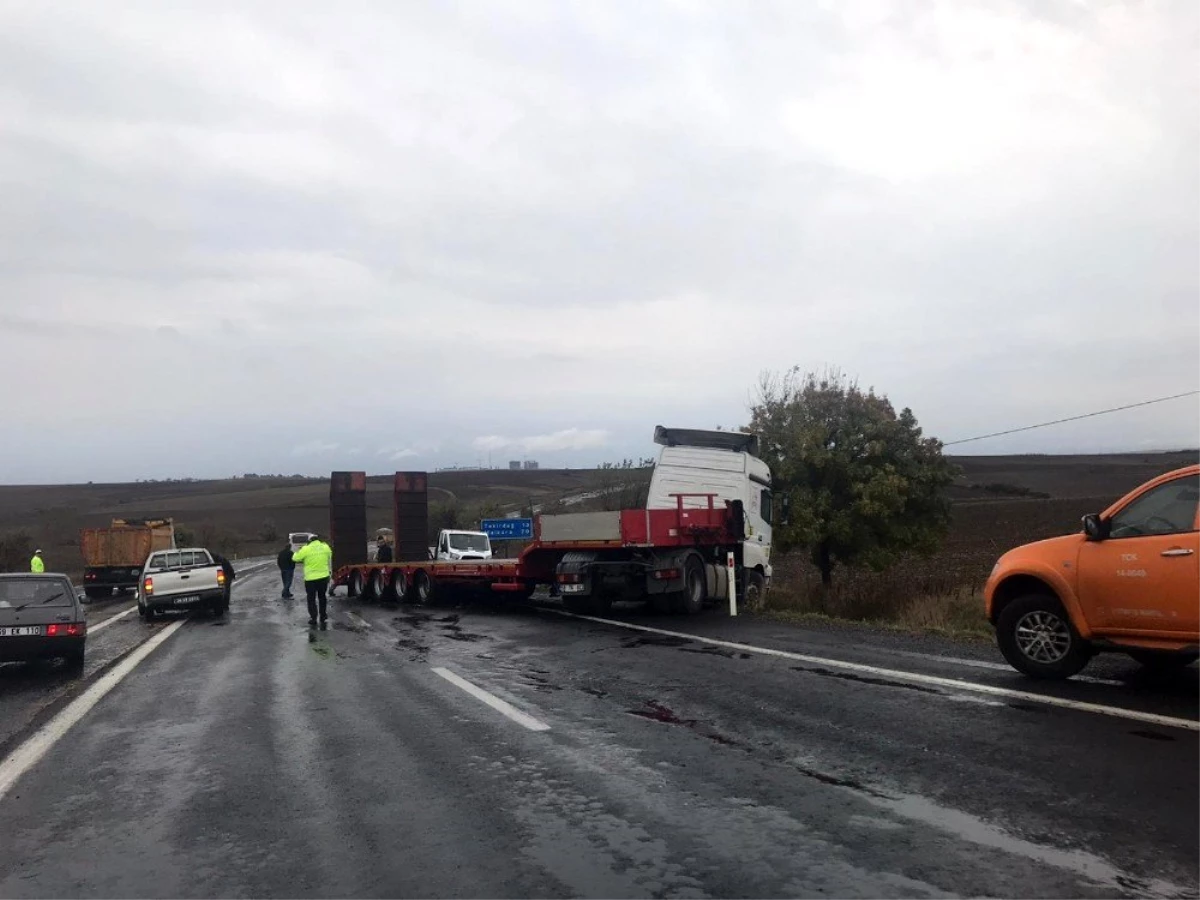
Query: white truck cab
(456, 545)
(725, 463)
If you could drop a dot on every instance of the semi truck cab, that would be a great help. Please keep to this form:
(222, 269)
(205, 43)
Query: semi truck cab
(724, 463)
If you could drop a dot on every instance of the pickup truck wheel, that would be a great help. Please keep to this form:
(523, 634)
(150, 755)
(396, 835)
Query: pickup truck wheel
(1037, 638)
(148, 614)
(1163, 660)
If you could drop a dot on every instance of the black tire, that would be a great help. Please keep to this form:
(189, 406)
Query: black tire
(97, 593)
(1037, 638)
(424, 589)
(354, 584)
(380, 585)
(1163, 660)
(398, 588)
(690, 600)
(149, 614)
(756, 591)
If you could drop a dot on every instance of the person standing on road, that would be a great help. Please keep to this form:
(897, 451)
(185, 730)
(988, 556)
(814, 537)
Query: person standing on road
(384, 553)
(317, 558)
(36, 565)
(287, 570)
(227, 568)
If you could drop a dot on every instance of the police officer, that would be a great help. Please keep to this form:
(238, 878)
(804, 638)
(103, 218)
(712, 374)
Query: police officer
(36, 565)
(317, 558)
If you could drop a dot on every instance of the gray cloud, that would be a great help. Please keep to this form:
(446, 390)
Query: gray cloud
(413, 228)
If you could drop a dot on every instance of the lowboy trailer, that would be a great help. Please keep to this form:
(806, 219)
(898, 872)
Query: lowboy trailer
(709, 497)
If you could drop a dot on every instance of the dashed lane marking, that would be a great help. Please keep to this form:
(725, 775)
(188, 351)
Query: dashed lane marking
(493, 701)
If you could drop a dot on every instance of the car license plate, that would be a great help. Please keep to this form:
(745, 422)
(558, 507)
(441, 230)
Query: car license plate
(572, 588)
(184, 601)
(21, 631)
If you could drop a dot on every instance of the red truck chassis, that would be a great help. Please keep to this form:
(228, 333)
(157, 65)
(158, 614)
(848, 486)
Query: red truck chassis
(652, 542)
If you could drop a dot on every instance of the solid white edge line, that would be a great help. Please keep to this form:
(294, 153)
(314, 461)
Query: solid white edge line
(29, 753)
(99, 626)
(493, 701)
(952, 683)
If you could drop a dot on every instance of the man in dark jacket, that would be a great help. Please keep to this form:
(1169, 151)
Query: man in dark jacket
(384, 553)
(287, 570)
(227, 568)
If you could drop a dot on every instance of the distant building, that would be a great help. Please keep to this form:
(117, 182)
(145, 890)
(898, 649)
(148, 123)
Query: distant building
(514, 464)
(531, 464)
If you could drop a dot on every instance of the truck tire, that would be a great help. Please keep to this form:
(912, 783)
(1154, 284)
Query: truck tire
(399, 586)
(379, 585)
(1037, 638)
(690, 600)
(424, 589)
(756, 590)
(354, 584)
(1162, 660)
(97, 593)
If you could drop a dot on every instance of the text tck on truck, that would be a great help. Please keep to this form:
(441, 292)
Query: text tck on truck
(113, 557)
(709, 497)
(1128, 582)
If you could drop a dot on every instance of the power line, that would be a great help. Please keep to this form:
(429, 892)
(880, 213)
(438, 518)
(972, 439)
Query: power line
(1072, 418)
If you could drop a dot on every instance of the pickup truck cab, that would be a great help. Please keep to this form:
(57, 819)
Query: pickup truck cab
(1128, 582)
(180, 580)
(463, 545)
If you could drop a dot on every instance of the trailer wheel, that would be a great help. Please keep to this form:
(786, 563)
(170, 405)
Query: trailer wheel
(423, 591)
(354, 584)
(399, 585)
(380, 585)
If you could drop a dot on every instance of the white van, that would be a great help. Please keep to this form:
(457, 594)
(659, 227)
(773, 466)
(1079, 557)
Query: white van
(298, 539)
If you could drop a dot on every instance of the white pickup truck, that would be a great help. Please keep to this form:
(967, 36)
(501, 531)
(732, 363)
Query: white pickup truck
(182, 579)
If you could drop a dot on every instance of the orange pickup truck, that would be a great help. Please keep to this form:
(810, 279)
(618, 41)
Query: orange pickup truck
(1130, 582)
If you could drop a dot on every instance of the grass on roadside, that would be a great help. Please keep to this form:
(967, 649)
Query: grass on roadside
(908, 598)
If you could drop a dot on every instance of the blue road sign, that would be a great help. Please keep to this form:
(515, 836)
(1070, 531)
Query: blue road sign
(507, 529)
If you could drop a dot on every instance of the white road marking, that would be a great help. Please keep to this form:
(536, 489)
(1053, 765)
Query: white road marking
(493, 701)
(99, 626)
(916, 677)
(357, 619)
(993, 666)
(28, 754)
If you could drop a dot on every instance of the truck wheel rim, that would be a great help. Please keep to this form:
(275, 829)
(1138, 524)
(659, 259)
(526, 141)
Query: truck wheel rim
(1043, 637)
(379, 585)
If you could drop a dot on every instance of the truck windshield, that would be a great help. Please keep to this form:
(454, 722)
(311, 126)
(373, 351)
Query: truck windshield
(476, 543)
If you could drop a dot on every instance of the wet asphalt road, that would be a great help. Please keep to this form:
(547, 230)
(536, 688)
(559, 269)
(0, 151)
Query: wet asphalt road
(241, 759)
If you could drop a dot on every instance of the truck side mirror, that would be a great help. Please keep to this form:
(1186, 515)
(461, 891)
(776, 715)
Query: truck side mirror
(1095, 527)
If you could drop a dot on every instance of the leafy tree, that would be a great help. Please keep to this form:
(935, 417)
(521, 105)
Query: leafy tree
(864, 486)
(16, 549)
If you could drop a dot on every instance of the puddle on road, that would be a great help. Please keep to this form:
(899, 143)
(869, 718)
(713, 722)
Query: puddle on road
(412, 621)
(710, 650)
(1152, 735)
(864, 679)
(653, 641)
(321, 651)
(420, 652)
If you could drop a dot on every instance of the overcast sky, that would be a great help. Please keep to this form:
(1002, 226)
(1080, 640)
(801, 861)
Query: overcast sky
(271, 237)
